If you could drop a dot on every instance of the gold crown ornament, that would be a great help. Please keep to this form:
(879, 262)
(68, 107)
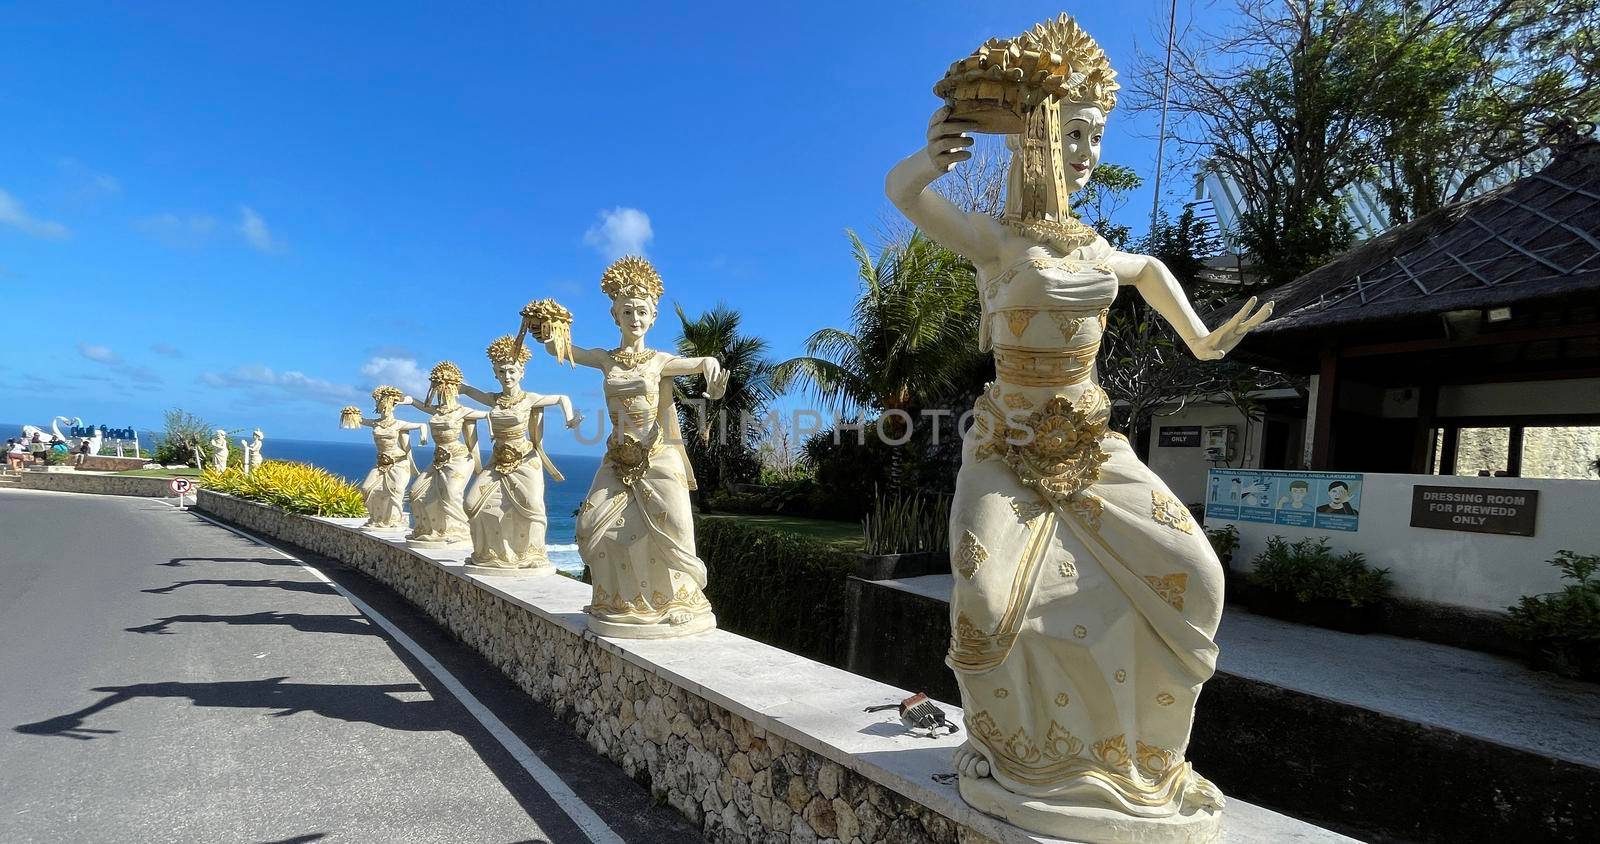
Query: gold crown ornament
(350, 417)
(443, 373)
(1002, 81)
(631, 277)
(1016, 86)
(384, 392)
(548, 322)
(505, 349)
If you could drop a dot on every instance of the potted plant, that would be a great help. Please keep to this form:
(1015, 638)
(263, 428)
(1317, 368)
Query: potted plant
(1307, 582)
(1563, 627)
(905, 536)
(1225, 541)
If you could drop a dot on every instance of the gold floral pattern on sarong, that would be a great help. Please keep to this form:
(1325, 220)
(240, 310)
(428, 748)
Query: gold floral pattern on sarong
(1017, 401)
(1165, 699)
(1027, 511)
(1169, 587)
(658, 603)
(1170, 511)
(1087, 507)
(1059, 755)
(970, 555)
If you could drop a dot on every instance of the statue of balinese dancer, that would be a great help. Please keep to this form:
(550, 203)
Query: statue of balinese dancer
(438, 514)
(505, 504)
(384, 489)
(1086, 598)
(635, 528)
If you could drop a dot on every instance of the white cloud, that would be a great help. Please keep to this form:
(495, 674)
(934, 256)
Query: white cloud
(620, 231)
(99, 354)
(295, 384)
(178, 231)
(14, 215)
(254, 228)
(166, 350)
(88, 184)
(400, 372)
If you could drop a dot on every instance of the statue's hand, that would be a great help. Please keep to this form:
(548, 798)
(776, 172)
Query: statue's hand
(575, 421)
(407, 400)
(716, 378)
(948, 141)
(1227, 335)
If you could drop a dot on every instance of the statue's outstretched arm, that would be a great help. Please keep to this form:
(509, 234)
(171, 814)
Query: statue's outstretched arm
(1160, 288)
(420, 405)
(477, 395)
(908, 188)
(711, 368)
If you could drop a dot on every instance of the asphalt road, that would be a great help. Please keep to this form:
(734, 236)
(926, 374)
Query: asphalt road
(164, 679)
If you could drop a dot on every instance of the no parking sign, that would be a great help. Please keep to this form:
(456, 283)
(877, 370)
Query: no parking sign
(180, 487)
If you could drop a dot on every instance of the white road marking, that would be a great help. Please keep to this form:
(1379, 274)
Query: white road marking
(562, 794)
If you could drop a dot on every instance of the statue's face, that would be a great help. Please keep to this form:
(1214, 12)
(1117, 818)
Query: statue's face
(1081, 128)
(509, 374)
(447, 392)
(634, 317)
(386, 405)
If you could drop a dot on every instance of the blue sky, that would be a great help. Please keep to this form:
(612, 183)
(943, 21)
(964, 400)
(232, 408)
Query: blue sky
(256, 212)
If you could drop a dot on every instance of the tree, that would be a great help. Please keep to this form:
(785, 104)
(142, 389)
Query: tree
(185, 440)
(913, 342)
(1298, 102)
(720, 445)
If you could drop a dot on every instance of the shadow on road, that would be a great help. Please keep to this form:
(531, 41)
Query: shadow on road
(288, 585)
(352, 625)
(179, 562)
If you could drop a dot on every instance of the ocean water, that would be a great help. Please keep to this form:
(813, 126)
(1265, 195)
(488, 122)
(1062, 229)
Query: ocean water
(352, 461)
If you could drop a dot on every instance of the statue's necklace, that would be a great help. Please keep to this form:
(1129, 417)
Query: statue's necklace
(1069, 233)
(505, 400)
(629, 359)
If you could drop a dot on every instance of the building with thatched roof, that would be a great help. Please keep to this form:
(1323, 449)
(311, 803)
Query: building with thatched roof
(1471, 330)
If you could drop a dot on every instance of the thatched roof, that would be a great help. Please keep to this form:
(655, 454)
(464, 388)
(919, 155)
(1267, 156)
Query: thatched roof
(1533, 238)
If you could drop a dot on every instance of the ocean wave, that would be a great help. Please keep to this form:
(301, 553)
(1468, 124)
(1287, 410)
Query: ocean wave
(554, 548)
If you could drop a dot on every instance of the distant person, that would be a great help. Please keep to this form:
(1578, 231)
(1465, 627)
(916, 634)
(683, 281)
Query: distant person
(1338, 500)
(83, 453)
(16, 454)
(38, 446)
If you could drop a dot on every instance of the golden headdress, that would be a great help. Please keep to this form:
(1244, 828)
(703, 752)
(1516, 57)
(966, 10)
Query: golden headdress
(445, 372)
(1006, 78)
(505, 349)
(1015, 86)
(384, 391)
(631, 276)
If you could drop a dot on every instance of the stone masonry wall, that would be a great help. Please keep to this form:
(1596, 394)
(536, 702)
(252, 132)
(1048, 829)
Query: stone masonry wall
(96, 484)
(737, 781)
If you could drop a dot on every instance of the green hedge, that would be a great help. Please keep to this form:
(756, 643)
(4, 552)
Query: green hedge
(775, 587)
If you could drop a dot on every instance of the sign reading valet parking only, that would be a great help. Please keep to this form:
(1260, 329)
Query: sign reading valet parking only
(1475, 509)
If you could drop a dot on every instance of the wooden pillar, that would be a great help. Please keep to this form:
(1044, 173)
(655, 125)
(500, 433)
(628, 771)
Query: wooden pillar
(1447, 450)
(1322, 414)
(1514, 452)
(1422, 435)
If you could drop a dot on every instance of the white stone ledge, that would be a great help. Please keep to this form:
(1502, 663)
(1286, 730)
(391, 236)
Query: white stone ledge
(816, 706)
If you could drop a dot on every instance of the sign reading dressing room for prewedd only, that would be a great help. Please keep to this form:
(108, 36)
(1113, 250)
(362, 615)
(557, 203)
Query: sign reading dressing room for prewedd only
(1476, 509)
(1326, 500)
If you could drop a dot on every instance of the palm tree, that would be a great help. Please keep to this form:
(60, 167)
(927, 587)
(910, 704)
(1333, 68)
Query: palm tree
(914, 341)
(721, 448)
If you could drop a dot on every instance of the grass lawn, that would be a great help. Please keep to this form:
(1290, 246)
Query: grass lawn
(845, 536)
(176, 471)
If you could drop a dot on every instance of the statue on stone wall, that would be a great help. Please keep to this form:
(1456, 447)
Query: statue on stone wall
(635, 529)
(384, 489)
(505, 504)
(439, 517)
(252, 450)
(1086, 598)
(219, 451)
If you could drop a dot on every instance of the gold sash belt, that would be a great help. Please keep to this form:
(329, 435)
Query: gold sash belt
(1045, 367)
